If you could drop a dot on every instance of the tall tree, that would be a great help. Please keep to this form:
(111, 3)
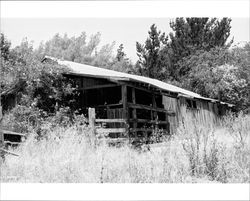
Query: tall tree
(120, 55)
(77, 49)
(220, 74)
(121, 62)
(192, 34)
(103, 58)
(149, 53)
(4, 47)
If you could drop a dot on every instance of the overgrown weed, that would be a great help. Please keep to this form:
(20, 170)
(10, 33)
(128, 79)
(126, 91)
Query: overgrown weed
(195, 154)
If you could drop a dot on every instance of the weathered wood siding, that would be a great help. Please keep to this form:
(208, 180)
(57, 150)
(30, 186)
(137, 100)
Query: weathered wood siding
(204, 112)
(172, 105)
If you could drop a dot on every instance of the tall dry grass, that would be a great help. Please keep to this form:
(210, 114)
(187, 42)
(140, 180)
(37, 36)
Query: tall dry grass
(195, 154)
(222, 153)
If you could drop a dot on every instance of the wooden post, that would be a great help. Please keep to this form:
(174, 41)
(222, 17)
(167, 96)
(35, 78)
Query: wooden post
(155, 115)
(92, 125)
(1, 110)
(134, 111)
(125, 107)
(1, 133)
(154, 106)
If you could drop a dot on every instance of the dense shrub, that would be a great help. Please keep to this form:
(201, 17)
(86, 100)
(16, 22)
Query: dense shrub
(21, 119)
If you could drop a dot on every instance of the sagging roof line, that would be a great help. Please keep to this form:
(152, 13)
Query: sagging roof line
(88, 70)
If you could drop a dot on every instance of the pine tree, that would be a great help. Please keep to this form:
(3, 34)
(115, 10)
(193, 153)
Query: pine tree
(192, 34)
(149, 53)
(120, 55)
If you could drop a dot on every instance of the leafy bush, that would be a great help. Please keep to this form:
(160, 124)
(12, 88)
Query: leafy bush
(238, 126)
(21, 119)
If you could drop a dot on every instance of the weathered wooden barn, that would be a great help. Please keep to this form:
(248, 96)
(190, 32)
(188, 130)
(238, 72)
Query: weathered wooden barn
(144, 103)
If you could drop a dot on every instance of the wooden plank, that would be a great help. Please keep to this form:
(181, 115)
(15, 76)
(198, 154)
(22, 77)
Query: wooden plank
(12, 133)
(116, 140)
(148, 121)
(110, 130)
(110, 105)
(1, 139)
(155, 116)
(145, 129)
(98, 86)
(143, 88)
(124, 91)
(145, 107)
(153, 90)
(134, 113)
(124, 101)
(9, 142)
(8, 152)
(91, 112)
(1, 114)
(111, 120)
(141, 129)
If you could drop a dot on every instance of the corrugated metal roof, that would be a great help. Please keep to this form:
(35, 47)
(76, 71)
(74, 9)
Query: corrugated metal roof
(83, 69)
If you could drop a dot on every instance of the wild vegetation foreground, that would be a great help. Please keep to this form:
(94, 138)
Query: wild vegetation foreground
(194, 154)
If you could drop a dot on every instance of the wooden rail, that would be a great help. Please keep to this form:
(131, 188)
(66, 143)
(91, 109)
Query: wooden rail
(145, 129)
(10, 142)
(6, 132)
(148, 121)
(12, 133)
(115, 140)
(110, 130)
(110, 120)
(100, 130)
(145, 107)
(8, 152)
(95, 130)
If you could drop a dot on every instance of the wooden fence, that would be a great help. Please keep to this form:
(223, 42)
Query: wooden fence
(4, 141)
(122, 133)
(18, 135)
(96, 130)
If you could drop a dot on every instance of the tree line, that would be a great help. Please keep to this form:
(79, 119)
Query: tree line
(195, 55)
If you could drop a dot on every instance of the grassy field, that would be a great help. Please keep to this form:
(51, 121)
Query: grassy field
(195, 154)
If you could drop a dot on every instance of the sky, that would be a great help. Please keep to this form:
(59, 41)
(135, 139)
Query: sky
(123, 23)
(120, 30)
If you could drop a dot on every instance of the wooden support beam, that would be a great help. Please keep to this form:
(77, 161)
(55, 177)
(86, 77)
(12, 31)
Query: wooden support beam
(115, 140)
(111, 120)
(98, 86)
(1, 111)
(110, 130)
(155, 116)
(124, 94)
(146, 107)
(8, 152)
(134, 114)
(145, 129)
(1, 133)
(143, 88)
(91, 112)
(152, 89)
(5, 132)
(148, 121)
(10, 142)
(110, 105)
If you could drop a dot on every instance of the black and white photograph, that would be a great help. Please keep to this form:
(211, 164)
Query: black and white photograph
(125, 92)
